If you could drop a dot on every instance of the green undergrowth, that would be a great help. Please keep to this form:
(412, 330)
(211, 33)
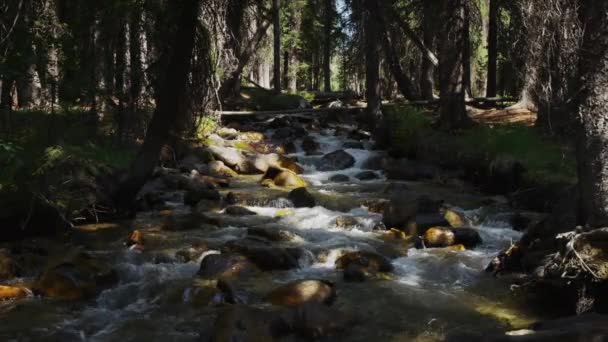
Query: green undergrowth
(546, 160)
(37, 138)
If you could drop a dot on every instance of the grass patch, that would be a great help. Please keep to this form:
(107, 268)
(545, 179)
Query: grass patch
(546, 160)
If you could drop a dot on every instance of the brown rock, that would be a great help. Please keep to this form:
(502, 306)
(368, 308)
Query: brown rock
(303, 291)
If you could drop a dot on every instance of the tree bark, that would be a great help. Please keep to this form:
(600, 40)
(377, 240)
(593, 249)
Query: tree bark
(171, 98)
(593, 112)
(427, 80)
(372, 64)
(286, 68)
(491, 87)
(135, 54)
(452, 111)
(276, 22)
(328, 25)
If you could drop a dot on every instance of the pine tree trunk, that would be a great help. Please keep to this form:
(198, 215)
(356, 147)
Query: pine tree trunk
(593, 111)
(392, 58)
(171, 99)
(372, 64)
(452, 112)
(276, 22)
(286, 70)
(135, 55)
(329, 9)
(491, 90)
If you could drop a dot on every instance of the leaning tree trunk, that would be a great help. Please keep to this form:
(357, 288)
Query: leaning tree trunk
(427, 80)
(452, 111)
(329, 8)
(492, 49)
(372, 65)
(593, 112)
(276, 22)
(389, 42)
(171, 99)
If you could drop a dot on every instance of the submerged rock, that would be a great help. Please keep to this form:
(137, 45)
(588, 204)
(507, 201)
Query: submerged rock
(272, 234)
(79, 277)
(335, 161)
(366, 175)
(314, 321)
(238, 211)
(242, 323)
(310, 146)
(302, 292)
(339, 178)
(194, 196)
(301, 198)
(269, 258)
(346, 222)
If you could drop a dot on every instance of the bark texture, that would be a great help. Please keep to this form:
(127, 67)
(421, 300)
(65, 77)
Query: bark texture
(593, 112)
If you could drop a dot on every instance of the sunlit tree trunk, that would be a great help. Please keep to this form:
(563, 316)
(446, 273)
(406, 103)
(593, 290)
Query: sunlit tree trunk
(491, 90)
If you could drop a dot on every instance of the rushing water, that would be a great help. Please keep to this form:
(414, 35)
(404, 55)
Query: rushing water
(434, 292)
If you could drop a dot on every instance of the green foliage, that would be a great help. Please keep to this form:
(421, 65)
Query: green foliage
(407, 126)
(260, 99)
(206, 126)
(546, 161)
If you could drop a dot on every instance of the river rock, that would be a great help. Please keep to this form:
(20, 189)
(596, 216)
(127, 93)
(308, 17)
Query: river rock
(301, 198)
(335, 161)
(439, 237)
(269, 258)
(399, 212)
(80, 277)
(13, 292)
(194, 196)
(272, 234)
(235, 210)
(8, 268)
(454, 218)
(366, 175)
(302, 292)
(374, 163)
(228, 133)
(422, 222)
(310, 146)
(367, 264)
(355, 145)
(231, 157)
(346, 222)
(216, 266)
(282, 178)
(219, 169)
(339, 178)
(251, 136)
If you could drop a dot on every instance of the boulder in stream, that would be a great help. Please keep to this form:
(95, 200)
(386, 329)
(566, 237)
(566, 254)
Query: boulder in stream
(272, 234)
(439, 237)
(13, 292)
(337, 160)
(216, 266)
(194, 196)
(303, 291)
(361, 265)
(269, 258)
(301, 198)
(232, 157)
(282, 178)
(219, 169)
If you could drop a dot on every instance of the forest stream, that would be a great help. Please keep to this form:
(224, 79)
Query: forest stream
(160, 294)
